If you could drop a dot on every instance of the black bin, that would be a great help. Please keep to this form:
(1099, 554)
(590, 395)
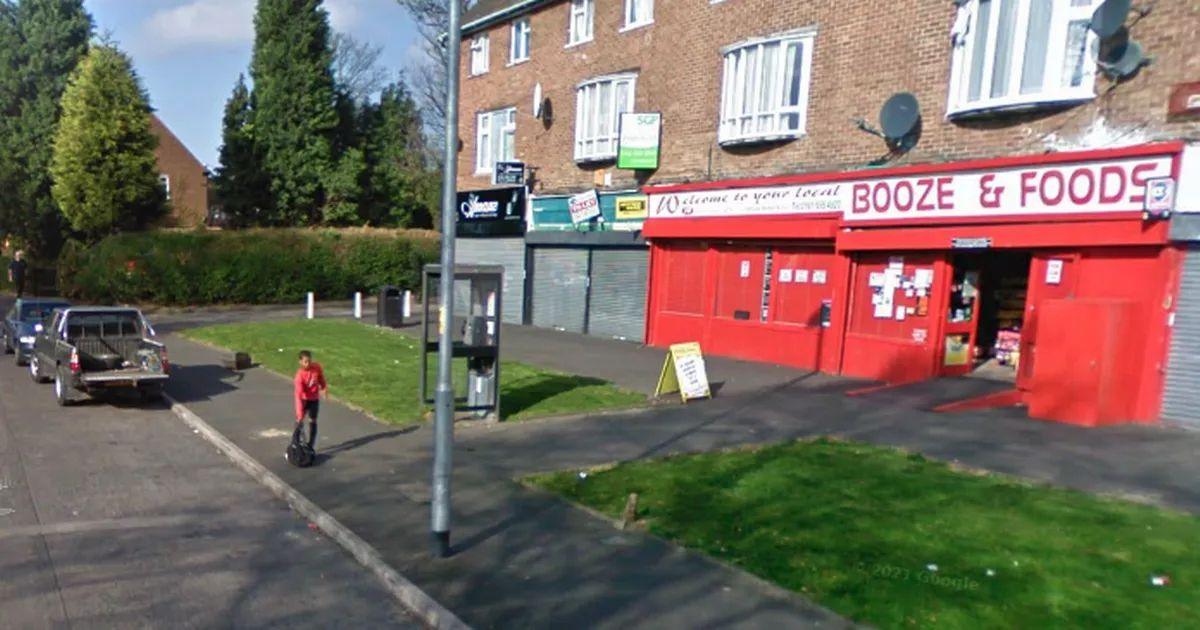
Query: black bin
(390, 312)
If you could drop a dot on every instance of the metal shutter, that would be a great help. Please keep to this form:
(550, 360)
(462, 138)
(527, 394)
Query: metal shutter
(1181, 398)
(560, 279)
(618, 301)
(508, 252)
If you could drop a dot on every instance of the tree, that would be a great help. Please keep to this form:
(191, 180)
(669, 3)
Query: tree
(241, 186)
(345, 188)
(433, 21)
(104, 170)
(401, 189)
(356, 69)
(52, 37)
(295, 115)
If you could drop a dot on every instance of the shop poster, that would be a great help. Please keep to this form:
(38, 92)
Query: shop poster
(684, 372)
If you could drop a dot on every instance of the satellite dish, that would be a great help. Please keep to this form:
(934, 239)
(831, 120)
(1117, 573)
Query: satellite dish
(1122, 60)
(1109, 17)
(899, 117)
(537, 100)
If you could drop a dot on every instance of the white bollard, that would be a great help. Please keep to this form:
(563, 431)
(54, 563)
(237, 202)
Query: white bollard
(311, 310)
(357, 305)
(407, 310)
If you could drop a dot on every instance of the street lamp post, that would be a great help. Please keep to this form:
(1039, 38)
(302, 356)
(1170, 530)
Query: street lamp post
(443, 431)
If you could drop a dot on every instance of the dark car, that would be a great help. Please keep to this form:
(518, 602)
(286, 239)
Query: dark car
(92, 350)
(21, 322)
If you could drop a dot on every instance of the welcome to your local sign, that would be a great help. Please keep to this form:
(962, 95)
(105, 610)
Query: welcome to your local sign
(1118, 185)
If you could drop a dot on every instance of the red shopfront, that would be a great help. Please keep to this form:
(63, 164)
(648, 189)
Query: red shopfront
(1041, 270)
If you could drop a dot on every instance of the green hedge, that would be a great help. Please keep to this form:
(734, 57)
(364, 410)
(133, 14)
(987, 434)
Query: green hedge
(242, 267)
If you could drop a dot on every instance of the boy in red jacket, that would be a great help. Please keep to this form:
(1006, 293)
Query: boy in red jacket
(310, 388)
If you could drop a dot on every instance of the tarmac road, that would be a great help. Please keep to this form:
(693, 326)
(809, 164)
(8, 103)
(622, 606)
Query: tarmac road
(117, 515)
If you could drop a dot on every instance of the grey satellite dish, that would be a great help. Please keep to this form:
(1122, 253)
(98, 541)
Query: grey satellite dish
(1110, 17)
(1122, 60)
(899, 118)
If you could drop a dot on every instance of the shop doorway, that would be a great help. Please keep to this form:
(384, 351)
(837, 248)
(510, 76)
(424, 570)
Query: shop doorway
(985, 314)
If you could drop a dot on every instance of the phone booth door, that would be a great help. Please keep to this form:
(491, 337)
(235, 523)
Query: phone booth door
(961, 324)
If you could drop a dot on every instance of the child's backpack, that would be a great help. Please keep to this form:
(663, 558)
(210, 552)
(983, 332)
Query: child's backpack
(300, 454)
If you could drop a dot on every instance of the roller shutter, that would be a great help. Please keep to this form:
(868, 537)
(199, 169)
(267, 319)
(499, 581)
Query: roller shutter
(507, 252)
(560, 288)
(1181, 398)
(617, 307)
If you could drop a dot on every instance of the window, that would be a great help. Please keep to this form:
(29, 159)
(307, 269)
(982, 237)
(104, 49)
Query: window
(165, 182)
(580, 29)
(479, 54)
(598, 106)
(1012, 54)
(495, 139)
(638, 13)
(764, 95)
(519, 49)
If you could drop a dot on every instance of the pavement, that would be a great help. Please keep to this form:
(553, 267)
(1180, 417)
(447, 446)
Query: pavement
(118, 516)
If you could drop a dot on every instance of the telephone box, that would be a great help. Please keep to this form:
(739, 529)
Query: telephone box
(475, 332)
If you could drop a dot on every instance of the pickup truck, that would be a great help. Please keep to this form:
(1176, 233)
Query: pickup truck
(89, 350)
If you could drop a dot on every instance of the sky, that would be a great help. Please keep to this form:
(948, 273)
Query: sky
(189, 53)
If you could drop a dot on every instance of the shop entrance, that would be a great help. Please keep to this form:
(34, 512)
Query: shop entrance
(985, 314)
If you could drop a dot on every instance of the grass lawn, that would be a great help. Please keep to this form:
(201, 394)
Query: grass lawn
(857, 528)
(379, 370)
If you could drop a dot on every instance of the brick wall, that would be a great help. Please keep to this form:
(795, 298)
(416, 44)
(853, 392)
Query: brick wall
(863, 53)
(188, 181)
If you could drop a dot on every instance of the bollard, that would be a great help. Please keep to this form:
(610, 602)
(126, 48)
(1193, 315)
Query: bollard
(310, 311)
(407, 306)
(357, 305)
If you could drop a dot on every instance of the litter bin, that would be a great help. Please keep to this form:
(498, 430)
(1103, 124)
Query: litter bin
(390, 311)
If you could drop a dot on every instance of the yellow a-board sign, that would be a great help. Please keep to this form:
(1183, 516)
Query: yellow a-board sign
(683, 372)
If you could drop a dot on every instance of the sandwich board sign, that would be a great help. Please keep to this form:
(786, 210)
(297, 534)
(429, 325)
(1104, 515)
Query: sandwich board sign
(683, 372)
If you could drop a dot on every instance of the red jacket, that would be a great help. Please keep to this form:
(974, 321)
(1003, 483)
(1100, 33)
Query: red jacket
(309, 385)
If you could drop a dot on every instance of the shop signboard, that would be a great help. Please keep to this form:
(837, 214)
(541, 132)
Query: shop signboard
(684, 372)
(508, 174)
(638, 140)
(584, 207)
(1160, 196)
(493, 212)
(631, 208)
(1083, 187)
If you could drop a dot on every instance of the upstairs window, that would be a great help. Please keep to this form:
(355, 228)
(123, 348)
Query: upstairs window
(165, 182)
(1017, 54)
(495, 139)
(519, 50)
(599, 104)
(638, 13)
(764, 93)
(582, 15)
(479, 54)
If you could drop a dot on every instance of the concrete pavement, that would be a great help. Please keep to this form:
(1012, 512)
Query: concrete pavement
(117, 516)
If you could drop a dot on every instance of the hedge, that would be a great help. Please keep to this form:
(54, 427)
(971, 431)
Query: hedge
(242, 267)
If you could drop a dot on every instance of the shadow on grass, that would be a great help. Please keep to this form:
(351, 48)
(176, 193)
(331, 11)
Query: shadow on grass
(533, 391)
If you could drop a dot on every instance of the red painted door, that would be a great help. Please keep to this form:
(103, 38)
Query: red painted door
(1052, 276)
(961, 323)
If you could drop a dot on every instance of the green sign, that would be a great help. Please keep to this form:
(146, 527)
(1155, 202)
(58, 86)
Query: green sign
(638, 144)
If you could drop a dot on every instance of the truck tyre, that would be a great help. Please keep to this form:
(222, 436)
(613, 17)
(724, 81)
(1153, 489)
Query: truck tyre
(62, 395)
(35, 369)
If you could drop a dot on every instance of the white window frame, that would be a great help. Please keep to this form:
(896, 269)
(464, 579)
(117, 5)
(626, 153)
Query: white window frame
(733, 114)
(1053, 92)
(588, 134)
(637, 13)
(480, 48)
(520, 41)
(164, 180)
(489, 146)
(587, 10)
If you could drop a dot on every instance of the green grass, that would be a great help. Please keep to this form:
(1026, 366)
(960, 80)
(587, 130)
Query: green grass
(854, 528)
(379, 370)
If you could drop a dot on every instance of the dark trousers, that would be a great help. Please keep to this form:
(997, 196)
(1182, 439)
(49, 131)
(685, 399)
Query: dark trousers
(310, 411)
(19, 284)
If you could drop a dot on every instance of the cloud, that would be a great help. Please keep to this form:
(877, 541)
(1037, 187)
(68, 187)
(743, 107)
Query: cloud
(223, 24)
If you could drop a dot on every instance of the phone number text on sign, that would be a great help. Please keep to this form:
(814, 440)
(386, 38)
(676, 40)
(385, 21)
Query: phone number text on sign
(1066, 189)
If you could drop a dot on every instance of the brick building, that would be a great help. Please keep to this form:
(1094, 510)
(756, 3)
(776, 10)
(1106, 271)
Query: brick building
(766, 176)
(183, 177)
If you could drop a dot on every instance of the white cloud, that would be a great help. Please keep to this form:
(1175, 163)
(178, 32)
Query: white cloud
(222, 23)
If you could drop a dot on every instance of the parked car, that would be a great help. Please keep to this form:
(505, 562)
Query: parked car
(89, 350)
(20, 324)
